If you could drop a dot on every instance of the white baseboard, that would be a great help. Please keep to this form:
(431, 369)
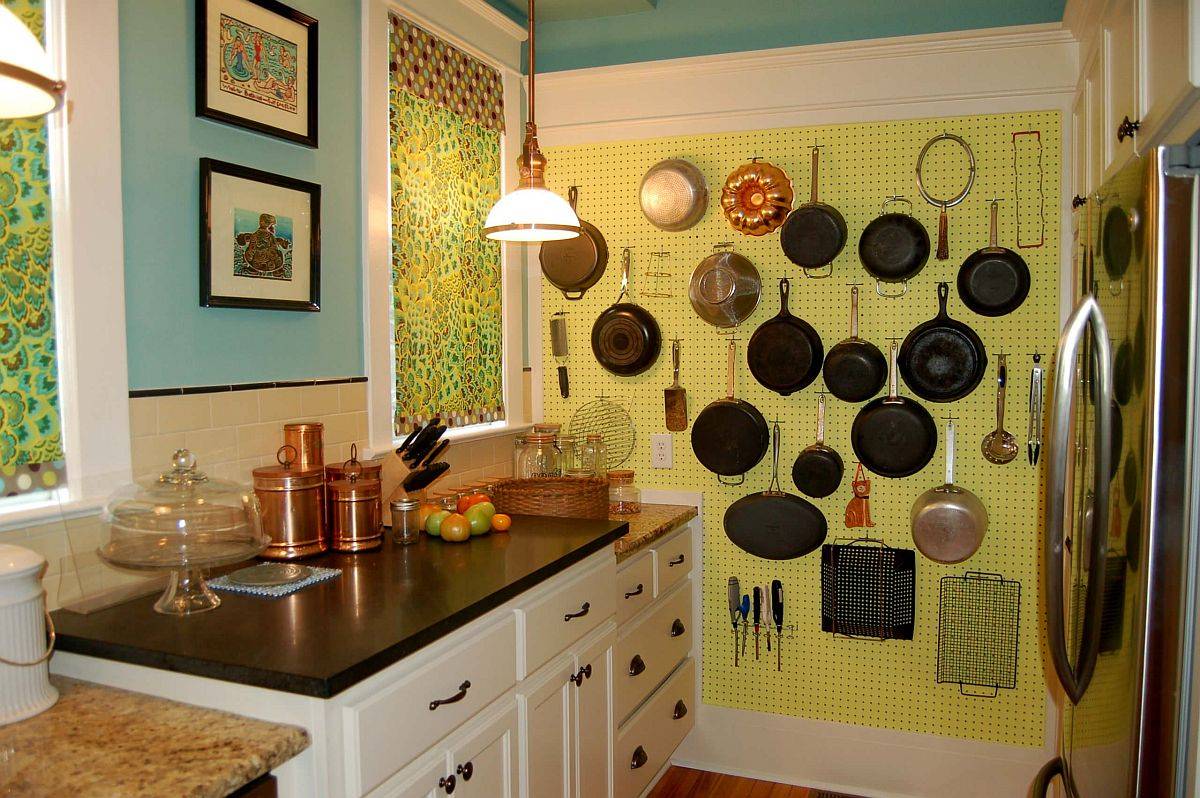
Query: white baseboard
(860, 761)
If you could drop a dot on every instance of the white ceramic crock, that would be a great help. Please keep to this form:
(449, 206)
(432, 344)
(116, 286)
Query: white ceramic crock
(25, 688)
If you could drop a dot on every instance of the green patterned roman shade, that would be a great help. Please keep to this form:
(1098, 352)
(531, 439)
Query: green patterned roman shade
(446, 113)
(31, 448)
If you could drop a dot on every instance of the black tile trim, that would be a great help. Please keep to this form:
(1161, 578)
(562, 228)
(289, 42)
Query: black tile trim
(142, 393)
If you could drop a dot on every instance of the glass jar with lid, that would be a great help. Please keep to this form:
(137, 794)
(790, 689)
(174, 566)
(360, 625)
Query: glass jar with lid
(624, 498)
(406, 521)
(593, 456)
(568, 453)
(540, 457)
(182, 522)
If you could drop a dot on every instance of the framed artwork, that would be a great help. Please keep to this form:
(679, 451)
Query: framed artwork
(256, 67)
(260, 239)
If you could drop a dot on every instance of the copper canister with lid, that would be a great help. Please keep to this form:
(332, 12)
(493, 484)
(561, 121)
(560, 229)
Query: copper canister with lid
(293, 507)
(365, 469)
(355, 510)
(306, 438)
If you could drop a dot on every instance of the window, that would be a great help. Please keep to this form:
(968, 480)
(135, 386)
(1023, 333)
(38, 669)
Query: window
(446, 119)
(31, 439)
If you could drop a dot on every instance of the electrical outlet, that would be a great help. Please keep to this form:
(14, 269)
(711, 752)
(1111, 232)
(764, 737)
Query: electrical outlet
(661, 455)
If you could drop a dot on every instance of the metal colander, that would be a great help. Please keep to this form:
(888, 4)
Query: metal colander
(607, 418)
(674, 195)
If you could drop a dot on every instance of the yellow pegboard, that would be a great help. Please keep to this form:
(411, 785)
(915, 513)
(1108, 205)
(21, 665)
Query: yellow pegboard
(882, 684)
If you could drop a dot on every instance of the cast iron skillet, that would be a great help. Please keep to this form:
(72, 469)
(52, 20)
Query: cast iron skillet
(785, 352)
(942, 360)
(893, 248)
(625, 337)
(773, 524)
(994, 280)
(855, 369)
(730, 436)
(813, 233)
(573, 265)
(818, 469)
(894, 436)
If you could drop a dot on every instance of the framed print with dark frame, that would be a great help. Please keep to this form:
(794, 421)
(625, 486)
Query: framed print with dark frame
(256, 67)
(260, 239)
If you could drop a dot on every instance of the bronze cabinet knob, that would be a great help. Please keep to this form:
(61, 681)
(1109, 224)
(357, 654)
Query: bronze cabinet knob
(636, 665)
(639, 758)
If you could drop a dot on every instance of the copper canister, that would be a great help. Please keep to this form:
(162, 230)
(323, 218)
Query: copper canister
(355, 513)
(362, 469)
(293, 507)
(306, 438)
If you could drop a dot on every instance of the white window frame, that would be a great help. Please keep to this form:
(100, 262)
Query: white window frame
(476, 28)
(82, 37)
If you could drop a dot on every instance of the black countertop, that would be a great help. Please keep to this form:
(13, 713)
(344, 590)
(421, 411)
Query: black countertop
(325, 638)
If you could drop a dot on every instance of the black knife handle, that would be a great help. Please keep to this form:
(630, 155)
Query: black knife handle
(777, 602)
(757, 605)
(564, 386)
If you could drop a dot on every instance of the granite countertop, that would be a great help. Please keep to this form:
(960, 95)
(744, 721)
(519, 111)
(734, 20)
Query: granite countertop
(100, 741)
(325, 638)
(654, 521)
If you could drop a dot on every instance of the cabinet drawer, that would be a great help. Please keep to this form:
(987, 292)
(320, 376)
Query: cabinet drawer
(390, 728)
(646, 743)
(673, 560)
(554, 620)
(651, 649)
(635, 586)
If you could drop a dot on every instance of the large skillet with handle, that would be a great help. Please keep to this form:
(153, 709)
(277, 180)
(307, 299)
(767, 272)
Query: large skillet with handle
(814, 233)
(730, 435)
(894, 436)
(626, 339)
(893, 248)
(942, 360)
(818, 469)
(855, 369)
(785, 352)
(949, 521)
(994, 280)
(573, 265)
(775, 525)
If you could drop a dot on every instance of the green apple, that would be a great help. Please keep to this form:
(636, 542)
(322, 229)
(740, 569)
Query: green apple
(433, 524)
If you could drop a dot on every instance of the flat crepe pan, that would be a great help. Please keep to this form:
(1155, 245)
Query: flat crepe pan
(942, 360)
(626, 339)
(993, 281)
(785, 353)
(573, 265)
(730, 435)
(894, 436)
(775, 525)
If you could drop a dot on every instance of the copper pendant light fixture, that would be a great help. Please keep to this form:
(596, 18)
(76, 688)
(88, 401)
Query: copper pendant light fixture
(531, 212)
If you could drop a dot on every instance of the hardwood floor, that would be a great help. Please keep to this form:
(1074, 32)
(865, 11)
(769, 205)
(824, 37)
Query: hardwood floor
(687, 783)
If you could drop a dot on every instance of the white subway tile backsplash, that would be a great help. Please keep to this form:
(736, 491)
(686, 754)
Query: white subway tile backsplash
(182, 413)
(215, 445)
(256, 440)
(319, 400)
(352, 396)
(152, 454)
(143, 416)
(279, 404)
(233, 408)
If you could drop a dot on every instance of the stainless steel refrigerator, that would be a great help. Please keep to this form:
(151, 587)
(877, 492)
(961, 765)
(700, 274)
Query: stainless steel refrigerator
(1120, 547)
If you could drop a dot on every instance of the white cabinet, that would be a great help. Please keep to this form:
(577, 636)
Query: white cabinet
(544, 699)
(1121, 76)
(593, 721)
(1079, 141)
(1094, 79)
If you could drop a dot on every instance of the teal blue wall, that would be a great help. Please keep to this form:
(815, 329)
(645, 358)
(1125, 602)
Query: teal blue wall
(678, 28)
(171, 339)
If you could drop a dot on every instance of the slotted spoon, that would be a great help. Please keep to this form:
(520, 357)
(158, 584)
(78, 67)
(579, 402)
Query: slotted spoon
(1000, 445)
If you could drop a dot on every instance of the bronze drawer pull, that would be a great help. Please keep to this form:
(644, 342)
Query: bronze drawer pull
(680, 710)
(639, 758)
(635, 592)
(582, 612)
(677, 628)
(677, 561)
(636, 665)
(584, 673)
(447, 783)
(459, 696)
(1127, 128)
(468, 770)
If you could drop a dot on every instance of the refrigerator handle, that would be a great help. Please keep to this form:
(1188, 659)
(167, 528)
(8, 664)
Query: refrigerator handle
(1075, 679)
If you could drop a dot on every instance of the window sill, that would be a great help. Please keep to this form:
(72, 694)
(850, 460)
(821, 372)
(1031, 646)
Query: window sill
(48, 511)
(479, 432)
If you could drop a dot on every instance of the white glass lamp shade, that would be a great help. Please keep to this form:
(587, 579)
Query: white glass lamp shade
(531, 214)
(27, 83)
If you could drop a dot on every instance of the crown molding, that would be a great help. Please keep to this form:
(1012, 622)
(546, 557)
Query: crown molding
(497, 18)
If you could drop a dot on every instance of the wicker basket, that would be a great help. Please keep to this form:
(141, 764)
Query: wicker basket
(562, 497)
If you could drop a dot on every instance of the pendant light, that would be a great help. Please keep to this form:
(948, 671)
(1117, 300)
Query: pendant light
(532, 212)
(27, 85)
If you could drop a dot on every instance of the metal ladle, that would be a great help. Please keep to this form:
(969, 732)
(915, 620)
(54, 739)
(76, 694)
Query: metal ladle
(999, 445)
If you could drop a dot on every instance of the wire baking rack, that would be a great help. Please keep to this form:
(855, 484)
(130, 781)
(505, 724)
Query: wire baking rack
(978, 618)
(868, 589)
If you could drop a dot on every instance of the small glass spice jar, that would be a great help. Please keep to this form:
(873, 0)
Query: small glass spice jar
(593, 456)
(540, 457)
(406, 521)
(624, 498)
(568, 453)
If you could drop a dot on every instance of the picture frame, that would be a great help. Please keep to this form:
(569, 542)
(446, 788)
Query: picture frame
(260, 239)
(256, 67)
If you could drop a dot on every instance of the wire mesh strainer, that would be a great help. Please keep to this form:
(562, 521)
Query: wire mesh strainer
(607, 418)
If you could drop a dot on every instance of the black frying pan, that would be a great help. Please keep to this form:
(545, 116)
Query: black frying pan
(773, 524)
(730, 436)
(894, 436)
(855, 369)
(573, 265)
(785, 352)
(818, 469)
(813, 233)
(942, 360)
(626, 339)
(994, 280)
(893, 248)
